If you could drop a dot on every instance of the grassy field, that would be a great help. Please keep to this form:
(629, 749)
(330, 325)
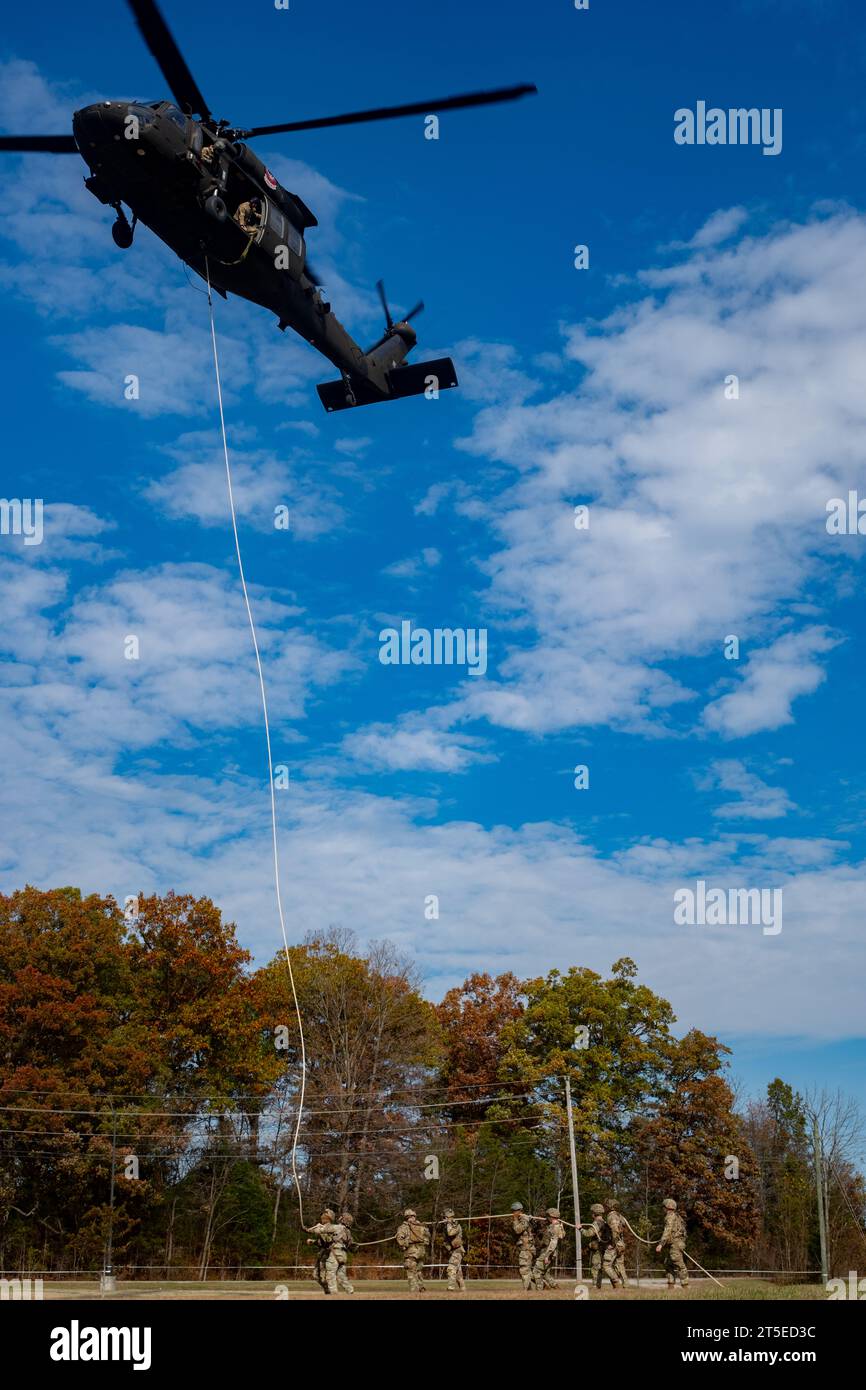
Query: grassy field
(497, 1289)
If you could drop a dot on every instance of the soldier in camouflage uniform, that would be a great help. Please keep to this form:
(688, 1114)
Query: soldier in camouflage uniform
(337, 1256)
(521, 1225)
(454, 1241)
(673, 1243)
(597, 1241)
(617, 1227)
(550, 1237)
(323, 1231)
(413, 1238)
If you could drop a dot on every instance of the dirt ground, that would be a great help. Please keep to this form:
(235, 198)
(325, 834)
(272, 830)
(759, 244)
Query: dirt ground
(498, 1289)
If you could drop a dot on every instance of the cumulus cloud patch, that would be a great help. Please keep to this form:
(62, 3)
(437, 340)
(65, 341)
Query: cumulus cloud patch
(756, 799)
(773, 679)
(261, 481)
(706, 507)
(415, 744)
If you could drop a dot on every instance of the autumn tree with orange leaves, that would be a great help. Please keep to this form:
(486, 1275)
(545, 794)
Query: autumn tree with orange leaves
(146, 1041)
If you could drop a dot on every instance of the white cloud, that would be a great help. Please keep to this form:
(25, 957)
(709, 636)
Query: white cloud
(353, 446)
(706, 513)
(718, 228)
(414, 565)
(430, 502)
(525, 899)
(261, 481)
(29, 106)
(174, 367)
(772, 680)
(491, 372)
(757, 800)
(68, 533)
(415, 743)
(194, 669)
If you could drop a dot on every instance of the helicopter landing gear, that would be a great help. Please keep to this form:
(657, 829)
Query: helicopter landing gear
(216, 208)
(122, 230)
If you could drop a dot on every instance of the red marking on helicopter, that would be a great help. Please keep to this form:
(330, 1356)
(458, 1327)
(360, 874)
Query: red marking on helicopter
(270, 180)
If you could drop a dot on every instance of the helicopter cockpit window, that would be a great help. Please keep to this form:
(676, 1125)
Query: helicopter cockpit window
(143, 114)
(176, 116)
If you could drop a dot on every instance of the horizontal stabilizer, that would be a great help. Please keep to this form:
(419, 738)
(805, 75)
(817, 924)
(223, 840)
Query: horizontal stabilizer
(414, 380)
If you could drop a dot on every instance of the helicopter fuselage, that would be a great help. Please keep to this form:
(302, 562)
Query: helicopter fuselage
(217, 206)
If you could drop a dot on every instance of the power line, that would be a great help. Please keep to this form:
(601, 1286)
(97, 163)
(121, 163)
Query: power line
(228, 1098)
(259, 1158)
(854, 1217)
(229, 1112)
(420, 1127)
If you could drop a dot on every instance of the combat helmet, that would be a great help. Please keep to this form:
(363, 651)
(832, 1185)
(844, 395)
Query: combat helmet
(517, 1206)
(612, 1204)
(553, 1213)
(669, 1203)
(408, 1212)
(597, 1209)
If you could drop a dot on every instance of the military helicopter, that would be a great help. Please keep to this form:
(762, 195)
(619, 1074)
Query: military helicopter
(197, 184)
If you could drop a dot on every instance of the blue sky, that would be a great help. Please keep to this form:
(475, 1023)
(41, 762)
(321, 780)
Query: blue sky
(602, 387)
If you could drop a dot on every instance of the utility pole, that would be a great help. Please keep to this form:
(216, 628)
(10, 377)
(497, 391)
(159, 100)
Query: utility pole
(578, 1247)
(819, 1187)
(107, 1281)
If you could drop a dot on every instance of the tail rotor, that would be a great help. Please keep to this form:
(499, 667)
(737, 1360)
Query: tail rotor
(390, 326)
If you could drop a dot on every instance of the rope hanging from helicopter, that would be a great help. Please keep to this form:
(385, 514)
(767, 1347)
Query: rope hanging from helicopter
(251, 236)
(264, 699)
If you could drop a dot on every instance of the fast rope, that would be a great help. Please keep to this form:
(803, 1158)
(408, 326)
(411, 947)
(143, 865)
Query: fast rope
(276, 853)
(443, 1220)
(685, 1252)
(500, 1215)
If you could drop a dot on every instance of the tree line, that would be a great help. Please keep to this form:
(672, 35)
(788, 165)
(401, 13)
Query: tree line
(149, 1084)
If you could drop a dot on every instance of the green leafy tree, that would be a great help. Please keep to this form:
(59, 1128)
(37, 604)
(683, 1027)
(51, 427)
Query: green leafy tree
(609, 1036)
(778, 1135)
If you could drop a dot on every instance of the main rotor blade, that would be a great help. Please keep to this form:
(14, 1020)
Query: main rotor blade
(412, 312)
(43, 144)
(389, 322)
(387, 113)
(158, 37)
